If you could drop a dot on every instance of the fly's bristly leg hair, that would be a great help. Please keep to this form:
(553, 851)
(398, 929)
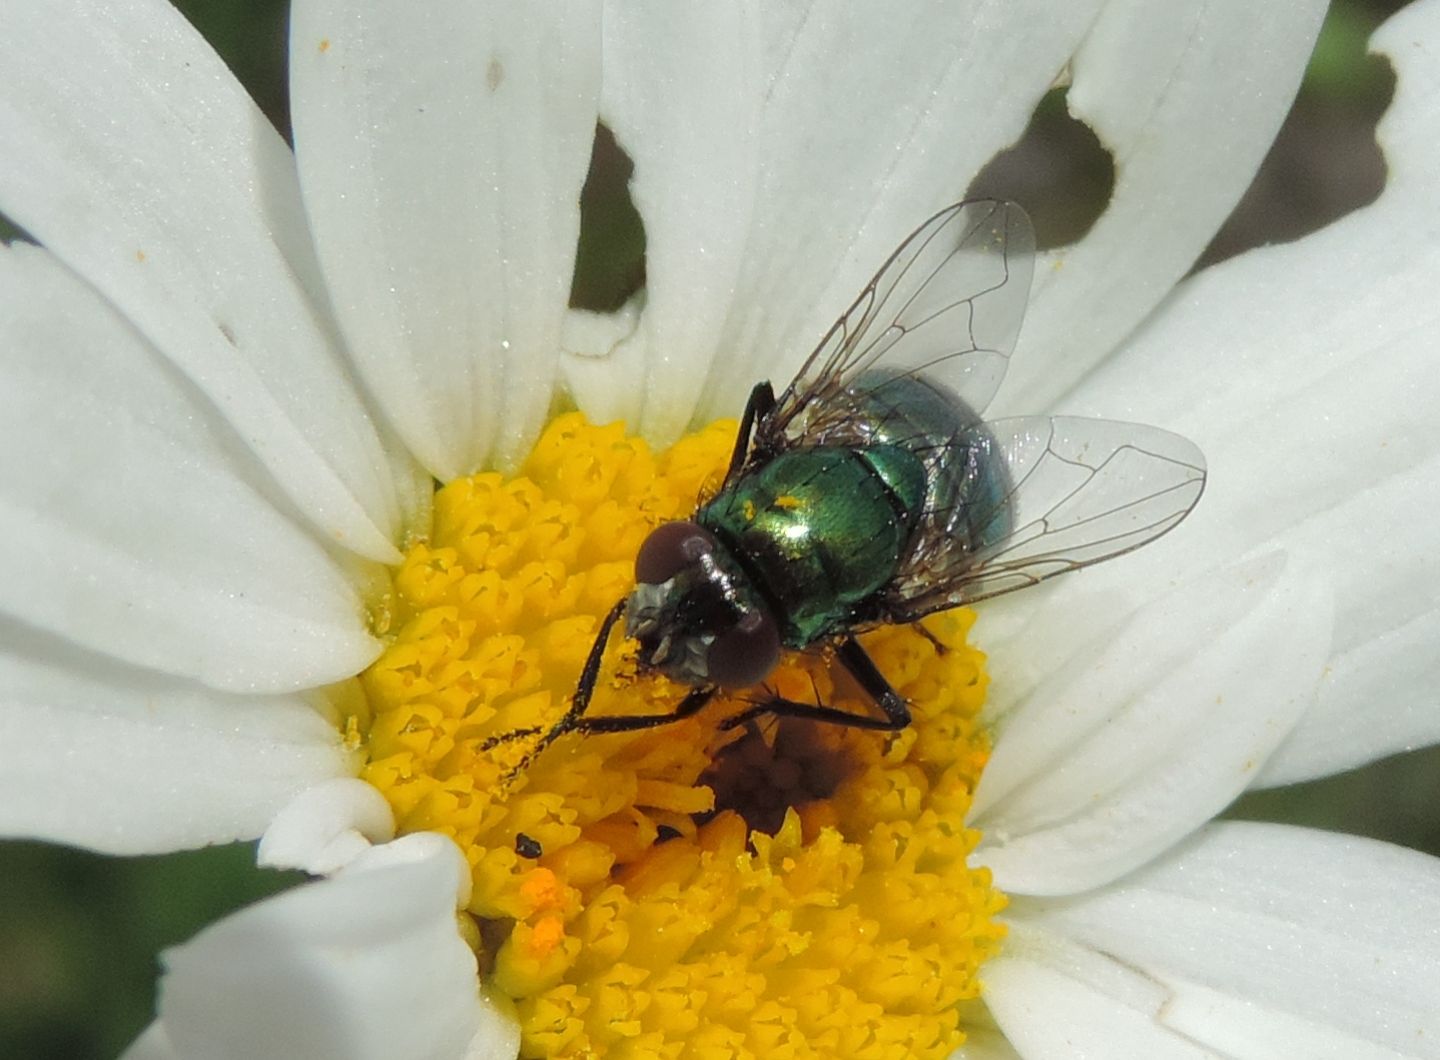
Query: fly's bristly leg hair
(509, 736)
(693, 703)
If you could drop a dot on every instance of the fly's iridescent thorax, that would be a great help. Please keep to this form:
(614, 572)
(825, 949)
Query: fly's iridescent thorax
(822, 530)
(695, 612)
(818, 530)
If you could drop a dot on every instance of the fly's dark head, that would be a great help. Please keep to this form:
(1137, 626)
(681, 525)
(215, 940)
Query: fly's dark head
(695, 613)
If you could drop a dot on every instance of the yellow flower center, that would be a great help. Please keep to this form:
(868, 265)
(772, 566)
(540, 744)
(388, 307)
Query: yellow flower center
(781, 889)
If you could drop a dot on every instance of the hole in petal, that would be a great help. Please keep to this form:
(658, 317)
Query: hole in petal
(1058, 170)
(610, 257)
(1325, 162)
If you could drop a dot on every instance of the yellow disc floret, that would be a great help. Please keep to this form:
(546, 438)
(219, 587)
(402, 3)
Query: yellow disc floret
(781, 889)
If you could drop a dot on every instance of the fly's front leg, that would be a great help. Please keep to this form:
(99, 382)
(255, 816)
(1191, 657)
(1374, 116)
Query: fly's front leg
(575, 714)
(694, 700)
(861, 667)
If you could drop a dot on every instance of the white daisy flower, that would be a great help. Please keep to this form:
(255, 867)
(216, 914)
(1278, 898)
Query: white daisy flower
(235, 606)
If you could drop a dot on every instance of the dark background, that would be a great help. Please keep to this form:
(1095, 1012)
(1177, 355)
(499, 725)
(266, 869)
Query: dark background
(79, 933)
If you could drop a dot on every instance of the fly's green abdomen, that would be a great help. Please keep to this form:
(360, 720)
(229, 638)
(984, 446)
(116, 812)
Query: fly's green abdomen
(819, 530)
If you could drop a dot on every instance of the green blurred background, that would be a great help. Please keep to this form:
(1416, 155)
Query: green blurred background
(80, 934)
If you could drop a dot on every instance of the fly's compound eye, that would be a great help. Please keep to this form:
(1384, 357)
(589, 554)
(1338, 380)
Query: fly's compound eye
(671, 548)
(744, 654)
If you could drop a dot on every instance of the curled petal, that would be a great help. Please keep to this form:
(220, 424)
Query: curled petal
(365, 964)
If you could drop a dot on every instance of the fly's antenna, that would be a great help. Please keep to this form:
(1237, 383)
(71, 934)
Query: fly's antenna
(584, 689)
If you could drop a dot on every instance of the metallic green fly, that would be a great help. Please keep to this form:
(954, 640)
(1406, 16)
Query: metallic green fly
(871, 491)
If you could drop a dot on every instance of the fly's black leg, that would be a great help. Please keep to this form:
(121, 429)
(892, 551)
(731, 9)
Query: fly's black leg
(762, 401)
(854, 658)
(941, 648)
(694, 700)
(575, 720)
(584, 689)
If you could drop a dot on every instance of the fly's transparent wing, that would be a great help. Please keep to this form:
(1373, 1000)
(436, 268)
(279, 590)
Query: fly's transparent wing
(1028, 498)
(947, 303)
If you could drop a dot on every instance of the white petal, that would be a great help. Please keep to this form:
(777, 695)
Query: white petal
(1305, 373)
(125, 762)
(1054, 999)
(601, 366)
(327, 827)
(1187, 99)
(875, 117)
(366, 964)
(442, 159)
(1151, 730)
(682, 92)
(132, 526)
(1276, 941)
(984, 1044)
(151, 173)
(153, 1044)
